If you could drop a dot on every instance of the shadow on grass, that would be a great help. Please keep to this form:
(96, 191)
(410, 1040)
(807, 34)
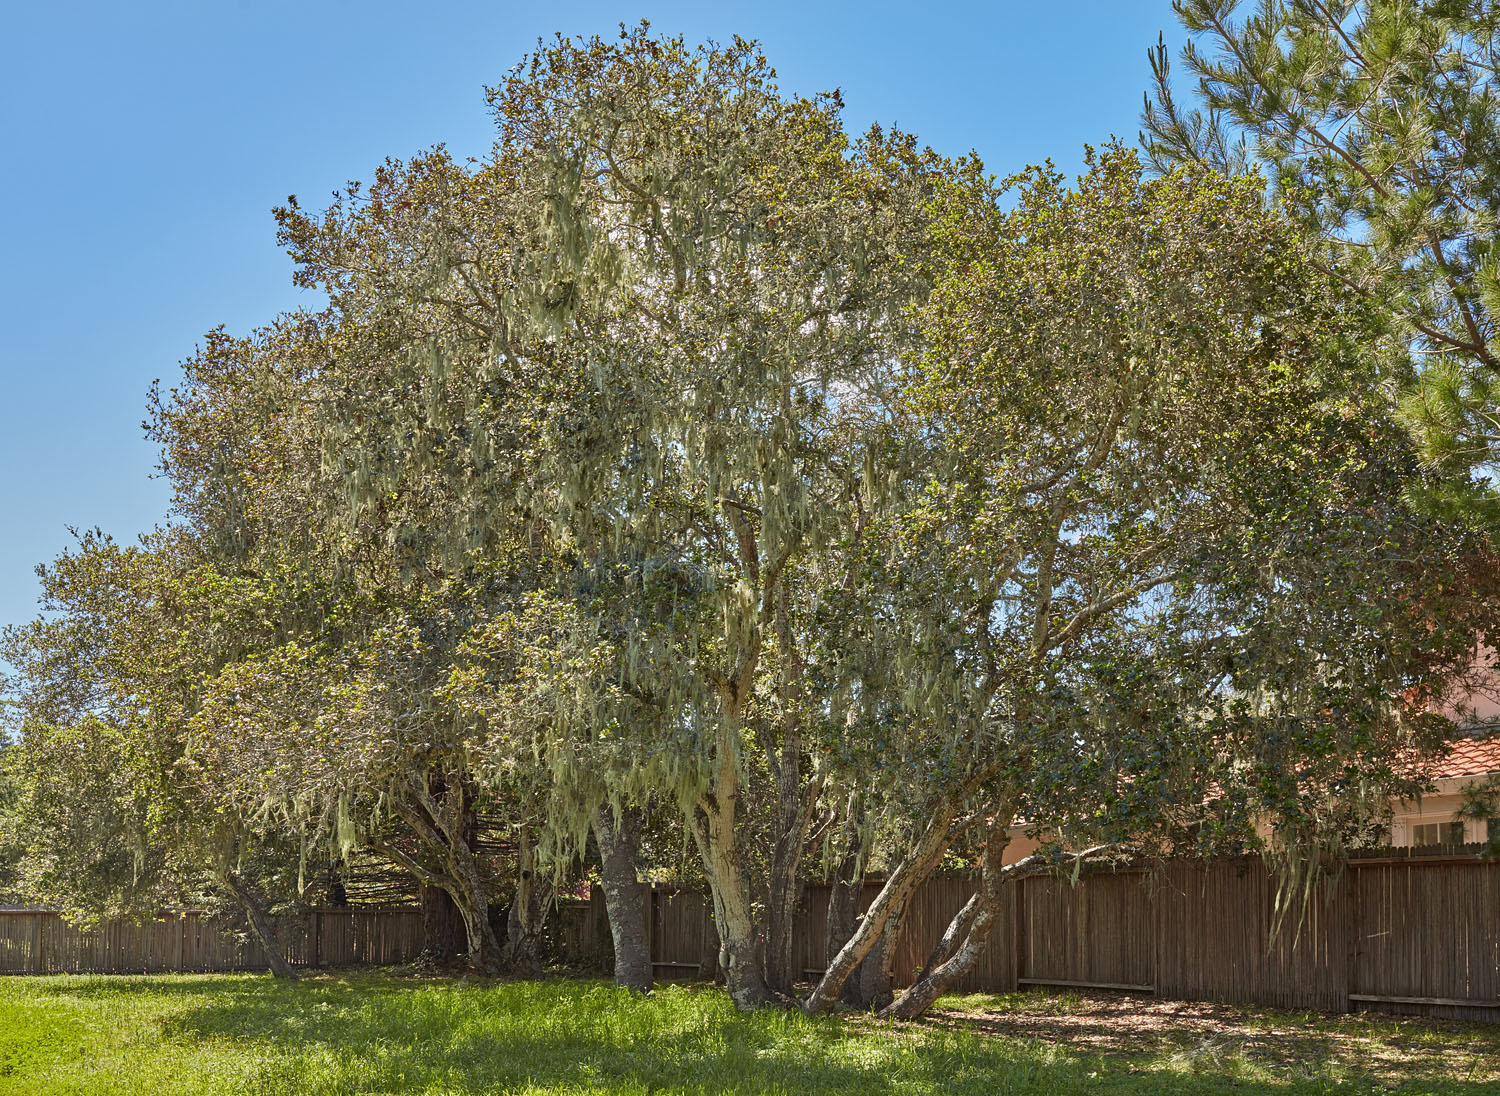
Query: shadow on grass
(372, 1033)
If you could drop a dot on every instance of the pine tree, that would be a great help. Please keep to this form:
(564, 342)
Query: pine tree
(1378, 126)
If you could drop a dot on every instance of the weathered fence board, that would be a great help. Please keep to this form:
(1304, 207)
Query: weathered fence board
(1429, 930)
(41, 942)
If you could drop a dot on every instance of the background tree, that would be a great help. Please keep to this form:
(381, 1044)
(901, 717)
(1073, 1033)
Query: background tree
(112, 820)
(1146, 426)
(1377, 124)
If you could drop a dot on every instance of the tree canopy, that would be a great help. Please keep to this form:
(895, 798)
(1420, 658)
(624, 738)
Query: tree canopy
(693, 472)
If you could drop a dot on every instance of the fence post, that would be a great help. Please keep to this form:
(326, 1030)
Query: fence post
(36, 944)
(1355, 930)
(652, 903)
(1020, 934)
(317, 955)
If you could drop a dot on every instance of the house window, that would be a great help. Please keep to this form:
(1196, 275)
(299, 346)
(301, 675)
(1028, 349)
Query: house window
(1438, 833)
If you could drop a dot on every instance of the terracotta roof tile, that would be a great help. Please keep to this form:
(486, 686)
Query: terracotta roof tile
(1470, 757)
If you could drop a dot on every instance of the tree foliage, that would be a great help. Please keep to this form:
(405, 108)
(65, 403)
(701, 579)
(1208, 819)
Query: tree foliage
(1377, 123)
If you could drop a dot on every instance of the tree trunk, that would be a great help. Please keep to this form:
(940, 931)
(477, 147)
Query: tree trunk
(522, 951)
(863, 989)
(466, 888)
(781, 902)
(796, 801)
(624, 897)
(443, 931)
(712, 823)
(441, 815)
(919, 997)
(890, 902)
(871, 986)
(962, 945)
(261, 926)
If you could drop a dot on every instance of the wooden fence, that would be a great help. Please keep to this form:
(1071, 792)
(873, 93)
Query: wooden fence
(1406, 934)
(41, 942)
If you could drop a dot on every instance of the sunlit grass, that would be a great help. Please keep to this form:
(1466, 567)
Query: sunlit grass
(375, 1033)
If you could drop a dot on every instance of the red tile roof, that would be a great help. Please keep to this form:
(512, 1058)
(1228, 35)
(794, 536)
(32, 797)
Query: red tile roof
(1470, 757)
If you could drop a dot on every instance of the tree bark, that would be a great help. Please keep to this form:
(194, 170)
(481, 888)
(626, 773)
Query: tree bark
(624, 898)
(260, 925)
(890, 902)
(712, 824)
(522, 951)
(443, 931)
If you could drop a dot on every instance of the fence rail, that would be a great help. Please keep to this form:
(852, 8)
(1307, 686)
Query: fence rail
(42, 942)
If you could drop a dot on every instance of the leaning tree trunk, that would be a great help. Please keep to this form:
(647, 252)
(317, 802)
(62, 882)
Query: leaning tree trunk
(889, 903)
(963, 942)
(962, 945)
(871, 986)
(624, 897)
(968, 947)
(261, 925)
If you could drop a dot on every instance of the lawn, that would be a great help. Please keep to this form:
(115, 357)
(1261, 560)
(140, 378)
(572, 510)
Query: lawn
(380, 1033)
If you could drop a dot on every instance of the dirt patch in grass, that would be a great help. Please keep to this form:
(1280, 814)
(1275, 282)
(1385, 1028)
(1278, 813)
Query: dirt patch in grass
(1388, 1050)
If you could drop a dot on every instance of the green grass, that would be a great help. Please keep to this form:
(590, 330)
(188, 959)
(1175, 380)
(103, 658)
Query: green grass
(378, 1033)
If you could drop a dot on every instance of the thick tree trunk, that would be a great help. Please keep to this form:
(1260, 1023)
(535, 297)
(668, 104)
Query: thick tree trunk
(522, 951)
(624, 897)
(261, 925)
(467, 892)
(781, 901)
(889, 903)
(443, 932)
(740, 955)
(796, 802)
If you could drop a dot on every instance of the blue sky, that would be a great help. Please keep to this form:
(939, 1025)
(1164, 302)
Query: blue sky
(146, 143)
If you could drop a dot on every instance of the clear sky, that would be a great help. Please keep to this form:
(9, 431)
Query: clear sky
(145, 143)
